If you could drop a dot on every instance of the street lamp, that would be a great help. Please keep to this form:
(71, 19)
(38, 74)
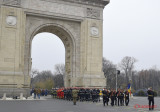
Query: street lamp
(117, 73)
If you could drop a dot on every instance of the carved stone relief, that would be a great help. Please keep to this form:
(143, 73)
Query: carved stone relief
(12, 2)
(68, 70)
(94, 31)
(11, 20)
(93, 13)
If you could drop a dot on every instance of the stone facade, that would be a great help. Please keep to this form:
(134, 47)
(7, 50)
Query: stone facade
(78, 23)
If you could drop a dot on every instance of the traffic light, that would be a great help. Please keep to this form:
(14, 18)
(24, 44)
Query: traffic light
(118, 72)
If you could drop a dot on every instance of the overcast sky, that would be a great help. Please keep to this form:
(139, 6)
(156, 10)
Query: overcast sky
(131, 28)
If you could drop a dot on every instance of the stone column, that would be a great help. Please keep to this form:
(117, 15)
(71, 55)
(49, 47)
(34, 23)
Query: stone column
(91, 53)
(12, 37)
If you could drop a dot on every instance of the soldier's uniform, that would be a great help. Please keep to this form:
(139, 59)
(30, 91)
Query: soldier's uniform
(112, 96)
(115, 97)
(104, 97)
(65, 93)
(126, 98)
(70, 94)
(98, 95)
(87, 94)
(122, 98)
(54, 93)
(107, 96)
(93, 95)
(118, 96)
(151, 98)
(74, 95)
(80, 94)
(83, 94)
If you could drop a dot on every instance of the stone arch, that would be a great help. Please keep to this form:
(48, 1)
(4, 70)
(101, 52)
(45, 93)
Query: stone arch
(82, 25)
(69, 43)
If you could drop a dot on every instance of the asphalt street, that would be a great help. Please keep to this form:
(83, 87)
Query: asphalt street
(55, 105)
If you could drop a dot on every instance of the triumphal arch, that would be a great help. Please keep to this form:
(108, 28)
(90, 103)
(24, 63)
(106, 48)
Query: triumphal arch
(78, 23)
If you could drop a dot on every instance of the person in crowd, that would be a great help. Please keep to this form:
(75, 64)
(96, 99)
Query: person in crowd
(75, 95)
(38, 93)
(151, 98)
(126, 97)
(104, 92)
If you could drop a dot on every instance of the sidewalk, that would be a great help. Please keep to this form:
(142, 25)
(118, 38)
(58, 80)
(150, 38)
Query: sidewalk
(29, 98)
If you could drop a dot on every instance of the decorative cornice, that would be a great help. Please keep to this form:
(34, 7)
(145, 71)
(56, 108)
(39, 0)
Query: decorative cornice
(15, 3)
(97, 3)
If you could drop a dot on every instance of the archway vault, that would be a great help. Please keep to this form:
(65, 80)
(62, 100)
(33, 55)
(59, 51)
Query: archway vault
(69, 44)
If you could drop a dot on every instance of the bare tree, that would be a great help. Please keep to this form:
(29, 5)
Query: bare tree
(59, 69)
(127, 65)
(58, 81)
(34, 72)
(109, 72)
(41, 78)
(59, 75)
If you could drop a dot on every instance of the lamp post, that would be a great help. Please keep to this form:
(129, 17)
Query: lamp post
(117, 73)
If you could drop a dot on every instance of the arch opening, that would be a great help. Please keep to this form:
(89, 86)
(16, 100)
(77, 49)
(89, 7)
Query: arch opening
(47, 50)
(67, 39)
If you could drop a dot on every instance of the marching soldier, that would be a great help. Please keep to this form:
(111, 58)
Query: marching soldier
(118, 96)
(98, 95)
(122, 98)
(81, 94)
(68, 94)
(112, 96)
(151, 98)
(65, 93)
(74, 95)
(54, 93)
(87, 94)
(115, 97)
(126, 97)
(107, 95)
(104, 97)
(94, 95)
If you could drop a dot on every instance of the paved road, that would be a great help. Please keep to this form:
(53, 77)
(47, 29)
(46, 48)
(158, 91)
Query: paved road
(56, 105)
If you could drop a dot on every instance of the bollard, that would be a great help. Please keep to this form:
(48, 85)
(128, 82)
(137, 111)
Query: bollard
(21, 96)
(4, 96)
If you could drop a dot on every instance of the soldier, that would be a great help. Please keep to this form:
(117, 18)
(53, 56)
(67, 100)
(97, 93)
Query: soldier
(94, 95)
(115, 97)
(118, 96)
(126, 97)
(87, 94)
(70, 94)
(98, 95)
(74, 95)
(80, 94)
(107, 96)
(112, 96)
(104, 97)
(83, 94)
(65, 93)
(122, 98)
(151, 98)
(54, 93)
